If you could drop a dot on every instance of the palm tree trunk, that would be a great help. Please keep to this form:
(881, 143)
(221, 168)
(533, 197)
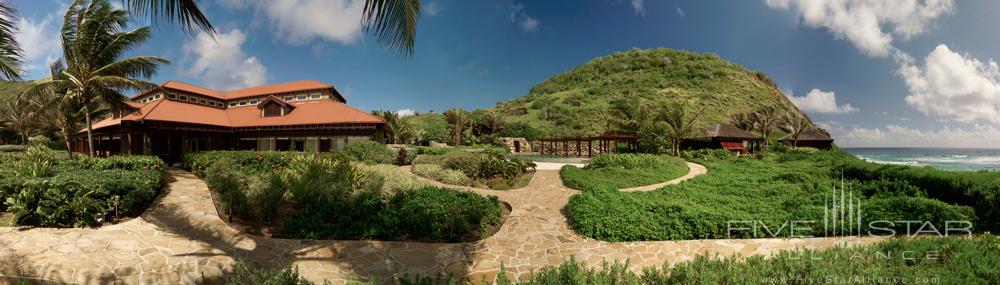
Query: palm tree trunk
(69, 147)
(90, 131)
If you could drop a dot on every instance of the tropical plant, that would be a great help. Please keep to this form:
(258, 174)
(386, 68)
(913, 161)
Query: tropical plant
(20, 115)
(491, 122)
(765, 121)
(743, 121)
(630, 114)
(399, 129)
(10, 50)
(794, 125)
(680, 124)
(457, 119)
(94, 38)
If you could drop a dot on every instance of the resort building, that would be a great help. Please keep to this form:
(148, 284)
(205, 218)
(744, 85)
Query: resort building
(178, 118)
(810, 138)
(726, 137)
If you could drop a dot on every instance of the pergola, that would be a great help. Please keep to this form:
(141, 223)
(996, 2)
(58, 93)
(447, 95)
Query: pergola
(585, 146)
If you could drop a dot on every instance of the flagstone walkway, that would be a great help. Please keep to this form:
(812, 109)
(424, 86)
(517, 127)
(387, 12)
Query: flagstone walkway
(182, 240)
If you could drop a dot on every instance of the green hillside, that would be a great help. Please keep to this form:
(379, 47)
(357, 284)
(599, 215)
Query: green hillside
(577, 102)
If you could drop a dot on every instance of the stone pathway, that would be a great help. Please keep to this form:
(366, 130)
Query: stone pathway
(182, 240)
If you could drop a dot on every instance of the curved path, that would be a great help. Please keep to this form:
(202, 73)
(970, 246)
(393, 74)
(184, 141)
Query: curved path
(181, 239)
(694, 169)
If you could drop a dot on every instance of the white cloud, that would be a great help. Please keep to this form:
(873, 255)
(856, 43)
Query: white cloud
(977, 136)
(818, 101)
(472, 67)
(406, 112)
(221, 63)
(954, 86)
(431, 9)
(520, 16)
(300, 22)
(871, 25)
(40, 41)
(680, 12)
(638, 7)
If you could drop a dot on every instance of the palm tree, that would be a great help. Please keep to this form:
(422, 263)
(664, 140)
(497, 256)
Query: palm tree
(680, 124)
(10, 50)
(628, 115)
(21, 116)
(394, 23)
(94, 38)
(795, 124)
(457, 120)
(68, 111)
(492, 122)
(765, 121)
(399, 129)
(743, 121)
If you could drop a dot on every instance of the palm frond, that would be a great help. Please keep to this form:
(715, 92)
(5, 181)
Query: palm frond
(394, 23)
(10, 51)
(140, 66)
(183, 12)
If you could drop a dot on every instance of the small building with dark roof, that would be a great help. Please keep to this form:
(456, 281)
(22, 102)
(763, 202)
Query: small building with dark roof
(723, 136)
(813, 138)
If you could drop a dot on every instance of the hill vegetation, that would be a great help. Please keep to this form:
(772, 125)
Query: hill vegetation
(582, 101)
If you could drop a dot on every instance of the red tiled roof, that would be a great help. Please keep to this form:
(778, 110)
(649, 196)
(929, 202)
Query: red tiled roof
(321, 111)
(293, 86)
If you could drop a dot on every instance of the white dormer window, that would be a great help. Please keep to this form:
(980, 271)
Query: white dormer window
(301, 97)
(184, 97)
(253, 101)
(243, 102)
(315, 96)
(289, 98)
(171, 96)
(232, 104)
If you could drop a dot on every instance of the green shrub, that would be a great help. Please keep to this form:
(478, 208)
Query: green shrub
(12, 148)
(80, 197)
(370, 152)
(443, 213)
(393, 178)
(428, 150)
(903, 208)
(37, 161)
(707, 154)
(246, 276)
(125, 162)
(768, 191)
(436, 172)
(979, 190)
(265, 196)
(623, 171)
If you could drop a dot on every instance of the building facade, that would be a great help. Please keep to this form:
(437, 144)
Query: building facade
(178, 118)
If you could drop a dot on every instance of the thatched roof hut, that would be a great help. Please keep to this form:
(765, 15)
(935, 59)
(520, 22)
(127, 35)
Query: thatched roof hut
(724, 136)
(721, 132)
(815, 138)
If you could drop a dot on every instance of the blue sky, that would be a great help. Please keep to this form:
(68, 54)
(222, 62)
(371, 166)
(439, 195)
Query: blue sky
(874, 73)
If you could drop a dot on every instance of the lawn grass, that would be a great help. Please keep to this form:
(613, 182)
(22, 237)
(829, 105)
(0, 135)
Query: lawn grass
(772, 191)
(615, 175)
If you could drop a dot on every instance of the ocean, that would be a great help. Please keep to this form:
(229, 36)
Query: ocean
(956, 159)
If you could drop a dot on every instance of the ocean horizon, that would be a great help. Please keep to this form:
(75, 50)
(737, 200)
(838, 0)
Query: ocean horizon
(953, 159)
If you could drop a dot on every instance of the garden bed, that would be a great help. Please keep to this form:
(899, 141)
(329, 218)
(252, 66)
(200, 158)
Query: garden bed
(332, 196)
(789, 187)
(623, 171)
(487, 169)
(40, 187)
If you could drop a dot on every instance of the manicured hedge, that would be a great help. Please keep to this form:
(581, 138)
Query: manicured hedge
(82, 192)
(980, 190)
(623, 171)
(323, 196)
(487, 168)
(770, 191)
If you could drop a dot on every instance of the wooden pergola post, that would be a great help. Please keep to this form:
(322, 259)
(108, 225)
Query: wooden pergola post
(590, 148)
